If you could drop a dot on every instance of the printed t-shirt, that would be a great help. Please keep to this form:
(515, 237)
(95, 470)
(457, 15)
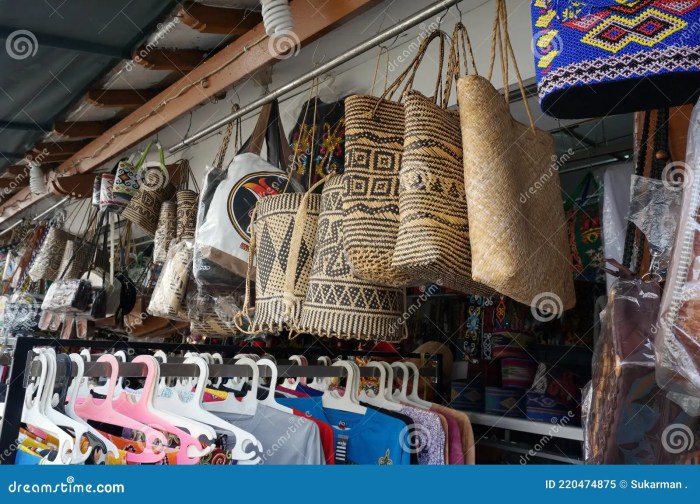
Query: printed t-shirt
(410, 428)
(371, 439)
(285, 439)
(430, 439)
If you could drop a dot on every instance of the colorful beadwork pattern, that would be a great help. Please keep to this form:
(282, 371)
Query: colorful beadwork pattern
(581, 45)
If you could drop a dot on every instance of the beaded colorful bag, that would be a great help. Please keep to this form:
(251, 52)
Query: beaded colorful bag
(600, 57)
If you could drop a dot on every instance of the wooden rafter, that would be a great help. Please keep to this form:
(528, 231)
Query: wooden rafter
(210, 19)
(250, 53)
(81, 129)
(56, 147)
(119, 98)
(13, 183)
(182, 60)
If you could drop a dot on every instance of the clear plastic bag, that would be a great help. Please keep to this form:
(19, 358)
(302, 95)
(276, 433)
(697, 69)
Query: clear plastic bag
(678, 338)
(172, 283)
(628, 418)
(655, 209)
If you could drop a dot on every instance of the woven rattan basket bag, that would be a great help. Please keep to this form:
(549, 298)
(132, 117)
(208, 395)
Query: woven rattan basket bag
(374, 138)
(48, 261)
(516, 221)
(433, 239)
(274, 230)
(337, 303)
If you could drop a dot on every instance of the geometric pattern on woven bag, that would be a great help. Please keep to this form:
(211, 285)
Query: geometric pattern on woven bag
(373, 148)
(433, 240)
(336, 301)
(648, 29)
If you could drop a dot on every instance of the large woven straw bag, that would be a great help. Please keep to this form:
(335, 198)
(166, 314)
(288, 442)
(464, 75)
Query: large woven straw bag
(273, 235)
(433, 240)
(374, 140)
(337, 303)
(517, 227)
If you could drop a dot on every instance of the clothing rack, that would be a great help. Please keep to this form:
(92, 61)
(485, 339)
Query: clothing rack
(346, 56)
(23, 368)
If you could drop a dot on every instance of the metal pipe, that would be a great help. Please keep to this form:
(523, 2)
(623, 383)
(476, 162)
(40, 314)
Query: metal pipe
(320, 70)
(50, 209)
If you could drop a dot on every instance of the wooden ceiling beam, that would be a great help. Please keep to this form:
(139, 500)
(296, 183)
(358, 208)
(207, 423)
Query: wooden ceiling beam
(119, 98)
(16, 171)
(81, 129)
(56, 147)
(219, 20)
(214, 76)
(10, 184)
(182, 60)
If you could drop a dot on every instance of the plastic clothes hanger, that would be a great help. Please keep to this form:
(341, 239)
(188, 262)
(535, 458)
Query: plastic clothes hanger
(321, 384)
(144, 410)
(102, 445)
(102, 410)
(293, 383)
(401, 394)
(379, 400)
(33, 415)
(77, 429)
(413, 396)
(119, 387)
(248, 405)
(270, 398)
(216, 358)
(247, 447)
(332, 400)
(389, 391)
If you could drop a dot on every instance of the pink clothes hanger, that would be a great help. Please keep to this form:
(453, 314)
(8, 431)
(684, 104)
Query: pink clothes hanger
(144, 410)
(102, 410)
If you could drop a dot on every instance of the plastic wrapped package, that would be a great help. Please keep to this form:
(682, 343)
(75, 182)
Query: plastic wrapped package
(213, 313)
(172, 283)
(678, 340)
(655, 207)
(628, 418)
(616, 182)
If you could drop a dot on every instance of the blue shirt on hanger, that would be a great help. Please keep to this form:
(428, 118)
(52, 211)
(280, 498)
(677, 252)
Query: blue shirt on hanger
(370, 439)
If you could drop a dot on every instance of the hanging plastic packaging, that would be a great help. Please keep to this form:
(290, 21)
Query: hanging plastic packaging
(678, 338)
(628, 418)
(172, 283)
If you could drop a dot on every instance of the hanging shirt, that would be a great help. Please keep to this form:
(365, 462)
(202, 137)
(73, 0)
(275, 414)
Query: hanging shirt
(326, 436)
(370, 439)
(285, 439)
(410, 428)
(309, 391)
(430, 439)
(465, 431)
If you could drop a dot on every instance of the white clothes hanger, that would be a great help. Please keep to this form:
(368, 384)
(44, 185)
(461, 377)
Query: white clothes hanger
(246, 406)
(379, 400)
(32, 414)
(346, 402)
(270, 398)
(216, 358)
(401, 394)
(389, 391)
(413, 396)
(247, 448)
(293, 383)
(78, 429)
(73, 390)
(321, 384)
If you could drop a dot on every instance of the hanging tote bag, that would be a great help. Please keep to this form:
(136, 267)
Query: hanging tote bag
(165, 232)
(172, 283)
(433, 236)
(338, 304)
(144, 207)
(374, 138)
(519, 248)
(599, 57)
(126, 182)
(48, 261)
(229, 197)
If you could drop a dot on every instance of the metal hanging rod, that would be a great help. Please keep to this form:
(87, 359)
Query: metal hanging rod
(320, 70)
(51, 209)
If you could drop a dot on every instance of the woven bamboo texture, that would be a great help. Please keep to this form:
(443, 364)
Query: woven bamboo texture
(374, 135)
(274, 228)
(337, 303)
(433, 239)
(519, 249)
